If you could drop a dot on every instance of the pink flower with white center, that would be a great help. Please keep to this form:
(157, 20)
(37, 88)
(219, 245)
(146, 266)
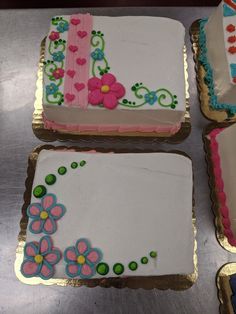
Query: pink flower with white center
(105, 91)
(58, 73)
(54, 36)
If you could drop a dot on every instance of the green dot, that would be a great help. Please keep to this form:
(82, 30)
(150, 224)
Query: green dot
(140, 83)
(133, 266)
(176, 102)
(175, 96)
(102, 269)
(153, 254)
(124, 101)
(144, 260)
(74, 165)
(62, 170)
(50, 179)
(133, 88)
(118, 269)
(99, 32)
(134, 102)
(82, 163)
(137, 84)
(130, 102)
(93, 32)
(101, 73)
(172, 106)
(39, 191)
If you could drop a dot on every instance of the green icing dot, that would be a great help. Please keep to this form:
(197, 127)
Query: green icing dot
(153, 254)
(102, 269)
(50, 179)
(133, 88)
(176, 102)
(124, 101)
(172, 106)
(144, 260)
(93, 32)
(118, 269)
(39, 191)
(74, 165)
(133, 266)
(82, 163)
(62, 170)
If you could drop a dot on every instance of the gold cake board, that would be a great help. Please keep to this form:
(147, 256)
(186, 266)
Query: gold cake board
(63, 135)
(206, 109)
(224, 289)
(174, 282)
(222, 239)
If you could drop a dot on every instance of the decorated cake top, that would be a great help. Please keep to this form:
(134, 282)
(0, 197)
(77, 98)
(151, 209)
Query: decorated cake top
(107, 62)
(93, 215)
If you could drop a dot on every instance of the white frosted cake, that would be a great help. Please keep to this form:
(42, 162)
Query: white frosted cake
(223, 150)
(96, 215)
(114, 74)
(218, 56)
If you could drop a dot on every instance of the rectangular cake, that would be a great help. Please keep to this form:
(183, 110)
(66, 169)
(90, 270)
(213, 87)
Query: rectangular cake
(218, 56)
(114, 74)
(95, 215)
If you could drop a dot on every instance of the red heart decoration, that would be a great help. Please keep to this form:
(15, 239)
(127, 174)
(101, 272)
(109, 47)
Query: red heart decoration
(71, 73)
(75, 21)
(70, 97)
(73, 48)
(81, 61)
(82, 34)
(79, 86)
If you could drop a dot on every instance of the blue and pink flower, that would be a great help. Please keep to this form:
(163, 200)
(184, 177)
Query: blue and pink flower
(81, 259)
(44, 215)
(40, 258)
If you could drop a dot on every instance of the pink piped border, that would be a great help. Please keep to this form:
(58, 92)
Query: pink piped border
(219, 186)
(48, 124)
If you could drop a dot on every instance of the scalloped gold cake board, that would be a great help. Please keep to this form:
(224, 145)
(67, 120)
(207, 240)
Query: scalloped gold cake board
(174, 282)
(207, 111)
(224, 289)
(63, 135)
(222, 239)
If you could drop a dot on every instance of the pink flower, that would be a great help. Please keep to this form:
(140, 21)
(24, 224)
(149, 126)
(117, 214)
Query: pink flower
(58, 73)
(105, 91)
(54, 36)
(40, 259)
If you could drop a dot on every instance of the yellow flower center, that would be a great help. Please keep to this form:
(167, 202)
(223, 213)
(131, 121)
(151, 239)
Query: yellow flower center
(38, 259)
(43, 214)
(80, 259)
(105, 88)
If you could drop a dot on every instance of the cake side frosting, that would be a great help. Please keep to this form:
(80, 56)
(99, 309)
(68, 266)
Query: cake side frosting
(222, 150)
(115, 81)
(127, 224)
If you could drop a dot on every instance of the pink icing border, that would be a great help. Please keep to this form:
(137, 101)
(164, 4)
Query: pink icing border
(48, 124)
(219, 186)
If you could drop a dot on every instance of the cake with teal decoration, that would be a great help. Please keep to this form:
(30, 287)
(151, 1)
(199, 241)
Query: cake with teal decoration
(101, 215)
(114, 74)
(217, 41)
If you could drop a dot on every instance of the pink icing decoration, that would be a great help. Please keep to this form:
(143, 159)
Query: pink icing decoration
(78, 36)
(69, 97)
(73, 269)
(79, 86)
(71, 255)
(45, 271)
(48, 124)
(54, 36)
(109, 98)
(82, 247)
(93, 256)
(51, 258)
(34, 210)
(30, 251)
(73, 48)
(56, 211)
(219, 186)
(30, 268)
(71, 73)
(47, 201)
(44, 246)
(86, 270)
(36, 225)
(48, 226)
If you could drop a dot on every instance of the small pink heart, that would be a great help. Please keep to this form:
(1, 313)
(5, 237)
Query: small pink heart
(82, 34)
(81, 61)
(79, 86)
(73, 48)
(71, 73)
(75, 21)
(70, 97)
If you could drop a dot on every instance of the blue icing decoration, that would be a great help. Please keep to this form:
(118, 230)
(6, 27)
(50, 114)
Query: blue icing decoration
(232, 282)
(150, 98)
(51, 89)
(63, 27)
(209, 73)
(97, 54)
(58, 56)
(228, 11)
(233, 69)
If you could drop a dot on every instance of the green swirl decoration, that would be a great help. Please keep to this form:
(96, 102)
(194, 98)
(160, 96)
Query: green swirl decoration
(100, 64)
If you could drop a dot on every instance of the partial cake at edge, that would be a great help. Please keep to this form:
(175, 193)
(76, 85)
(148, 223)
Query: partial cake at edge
(218, 56)
(119, 214)
(123, 74)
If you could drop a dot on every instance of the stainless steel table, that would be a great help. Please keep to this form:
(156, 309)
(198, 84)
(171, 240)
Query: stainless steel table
(21, 32)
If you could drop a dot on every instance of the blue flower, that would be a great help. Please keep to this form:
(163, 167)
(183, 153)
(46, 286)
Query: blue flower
(51, 89)
(63, 27)
(150, 98)
(97, 54)
(58, 56)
